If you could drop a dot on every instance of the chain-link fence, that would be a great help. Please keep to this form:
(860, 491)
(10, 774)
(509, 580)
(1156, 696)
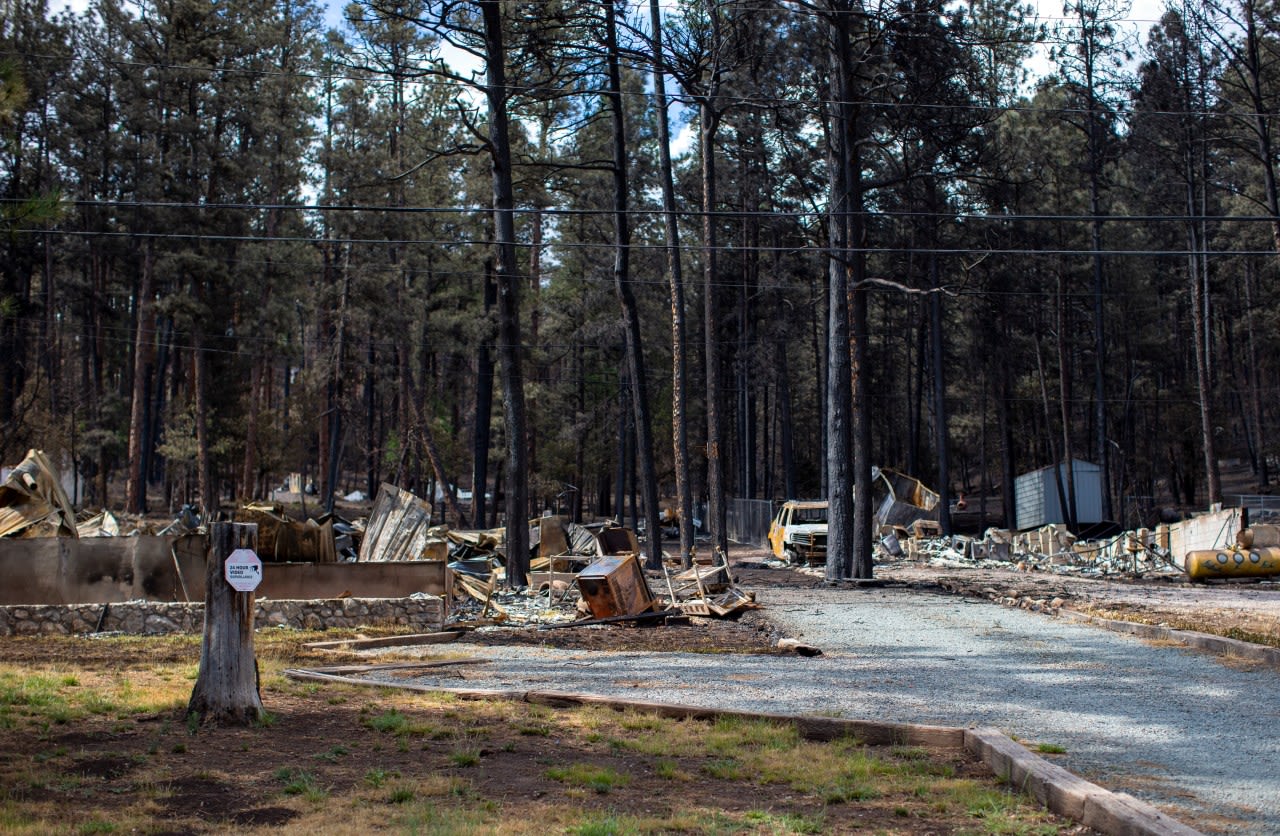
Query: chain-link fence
(1262, 508)
(747, 520)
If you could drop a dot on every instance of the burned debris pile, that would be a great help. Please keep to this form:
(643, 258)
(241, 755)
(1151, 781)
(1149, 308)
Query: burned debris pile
(581, 576)
(1217, 545)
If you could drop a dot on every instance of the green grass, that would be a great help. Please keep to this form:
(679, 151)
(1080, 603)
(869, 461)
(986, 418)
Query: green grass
(769, 822)
(401, 795)
(605, 825)
(390, 722)
(1051, 749)
(601, 779)
(300, 782)
(464, 758)
(400, 724)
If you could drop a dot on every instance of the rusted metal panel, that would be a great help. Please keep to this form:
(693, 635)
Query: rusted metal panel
(617, 541)
(282, 540)
(552, 538)
(615, 585)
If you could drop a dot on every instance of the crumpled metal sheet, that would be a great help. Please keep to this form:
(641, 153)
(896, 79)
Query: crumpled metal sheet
(101, 524)
(399, 528)
(33, 503)
(901, 499)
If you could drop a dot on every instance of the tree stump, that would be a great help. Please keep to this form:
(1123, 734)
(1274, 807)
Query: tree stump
(226, 689)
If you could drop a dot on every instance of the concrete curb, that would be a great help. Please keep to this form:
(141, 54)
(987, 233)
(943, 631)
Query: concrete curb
(1059, 791)
(1200, 641)
(1116, 814)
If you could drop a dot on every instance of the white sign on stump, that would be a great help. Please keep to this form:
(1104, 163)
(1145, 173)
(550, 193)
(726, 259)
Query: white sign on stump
(243, 570)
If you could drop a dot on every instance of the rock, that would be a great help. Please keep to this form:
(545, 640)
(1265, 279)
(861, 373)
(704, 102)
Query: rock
(798, 647)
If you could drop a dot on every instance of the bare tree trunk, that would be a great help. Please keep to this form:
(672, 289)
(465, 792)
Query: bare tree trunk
(508, 280)
(1008, 503)
(204, 467)
(860, 336)
(249, 473)
(1197, 180)
(841, 514)
(226, 689)
(144, 339)
(484, 405)
(675, 277)
(941, 439)
(1255, 382)
(710, 121)
(1064, 404)
(373, 441)
(785, 437)
(626, 297)
(1198, 281)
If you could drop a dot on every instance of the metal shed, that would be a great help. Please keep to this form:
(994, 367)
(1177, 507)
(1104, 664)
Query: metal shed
(1036, 497)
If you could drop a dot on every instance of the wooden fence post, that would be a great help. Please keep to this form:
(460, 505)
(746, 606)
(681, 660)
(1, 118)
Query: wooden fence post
(226, 689)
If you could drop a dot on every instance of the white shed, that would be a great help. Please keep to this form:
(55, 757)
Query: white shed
(1036, 497)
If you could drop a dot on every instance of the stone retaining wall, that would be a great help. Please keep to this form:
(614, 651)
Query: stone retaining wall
(424, 613)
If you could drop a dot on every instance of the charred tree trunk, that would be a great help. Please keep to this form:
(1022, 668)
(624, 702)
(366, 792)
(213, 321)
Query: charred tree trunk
(710, 121)
(1007, 452)
(940, 397)
(372, 441)
(226, 690)
(484, 405)
(1255, 380)
(648, 473)
(841, 516)
(1064, 401)
(508, 280)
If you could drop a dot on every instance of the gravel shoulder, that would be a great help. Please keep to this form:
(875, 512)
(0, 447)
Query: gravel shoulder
(1179, 728)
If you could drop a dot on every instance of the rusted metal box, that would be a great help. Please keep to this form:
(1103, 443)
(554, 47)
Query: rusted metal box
(615, 585)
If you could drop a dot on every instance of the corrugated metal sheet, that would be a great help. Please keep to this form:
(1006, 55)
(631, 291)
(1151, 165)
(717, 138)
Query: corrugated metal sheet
(1037, 500)
(398, 529)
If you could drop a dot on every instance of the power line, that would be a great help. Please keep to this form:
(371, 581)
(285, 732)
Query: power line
(658, 247)
(958, 215)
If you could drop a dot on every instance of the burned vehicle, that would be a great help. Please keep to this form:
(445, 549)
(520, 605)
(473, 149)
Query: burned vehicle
(799, 532)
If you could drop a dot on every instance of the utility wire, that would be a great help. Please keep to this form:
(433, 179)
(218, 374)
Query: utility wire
(958, 215)
(658, 247)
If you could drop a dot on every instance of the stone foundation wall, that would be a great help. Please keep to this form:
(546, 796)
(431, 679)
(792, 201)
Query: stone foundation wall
(424, 613)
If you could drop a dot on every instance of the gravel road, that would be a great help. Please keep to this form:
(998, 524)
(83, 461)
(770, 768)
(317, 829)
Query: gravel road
(1172, 726)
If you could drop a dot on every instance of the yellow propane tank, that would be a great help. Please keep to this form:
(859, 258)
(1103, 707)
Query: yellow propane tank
(1233, 563)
